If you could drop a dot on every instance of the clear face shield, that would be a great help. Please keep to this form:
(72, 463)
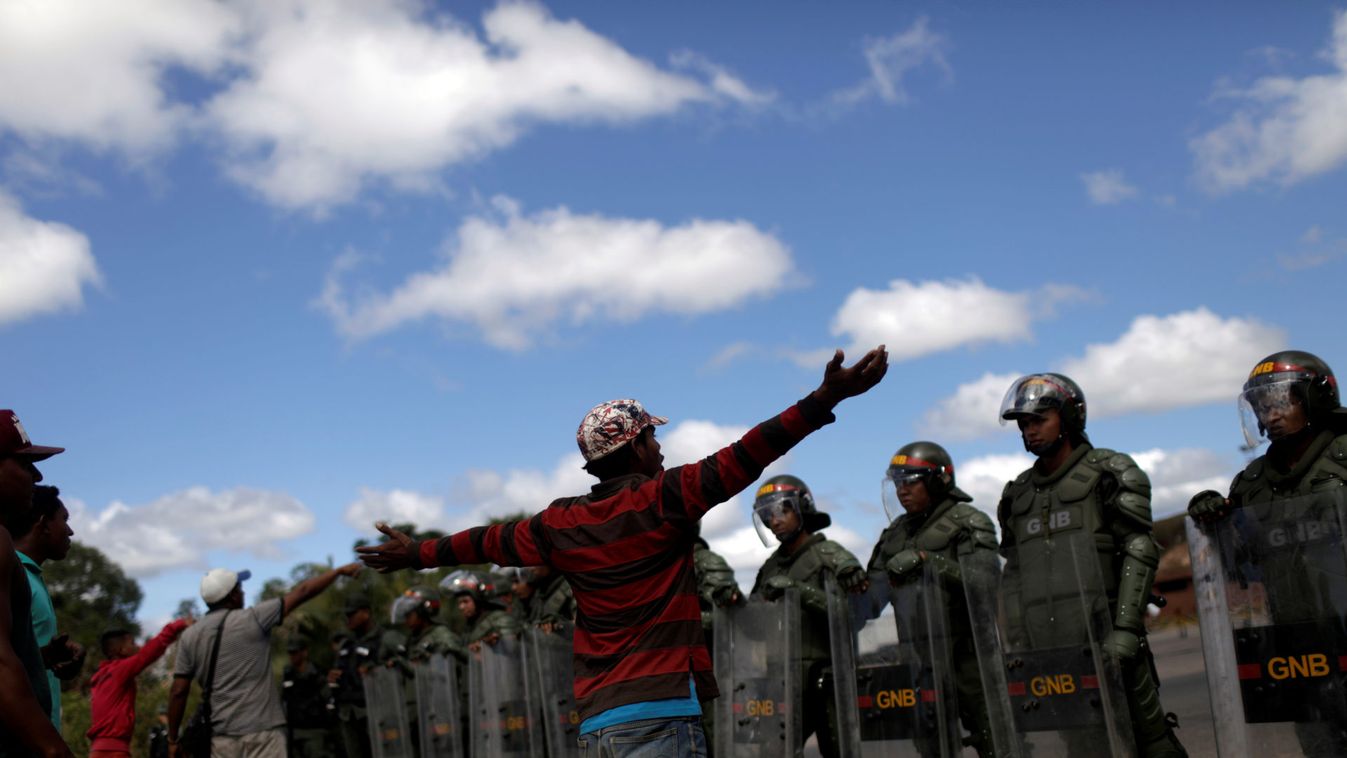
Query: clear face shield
(401, 607)
(459, 582)
(894, 481)
(1031, 395)
(1272, 410)
(773, 507)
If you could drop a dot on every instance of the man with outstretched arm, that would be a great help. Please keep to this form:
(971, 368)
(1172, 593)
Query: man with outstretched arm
(641, 664)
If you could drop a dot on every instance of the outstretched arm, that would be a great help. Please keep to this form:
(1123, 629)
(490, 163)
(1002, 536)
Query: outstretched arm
(314, 586)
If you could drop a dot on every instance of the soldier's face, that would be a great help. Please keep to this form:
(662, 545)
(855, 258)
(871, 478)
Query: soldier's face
(914, 496)
(1282, 416)
(784, 522)
(1041, 430)
(467, 606)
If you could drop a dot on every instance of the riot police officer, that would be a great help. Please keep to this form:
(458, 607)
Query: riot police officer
(1291, 400)
(932, 523)
(784, 508)
(417, 612)
(475, 598)
(359, 652)
(1076, 488)
(308, 706)
(552, 603)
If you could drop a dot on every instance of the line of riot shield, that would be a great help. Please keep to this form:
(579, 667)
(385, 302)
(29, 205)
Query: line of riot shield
(437, 707)
(551, 664)
(1271, 583)
(892, 672)
(757, 664)
(500, 720)
(386, 713)
(1039, 617)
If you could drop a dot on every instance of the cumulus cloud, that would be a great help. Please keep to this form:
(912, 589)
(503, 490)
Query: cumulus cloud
(93, 72)
(985, 477)
(515, 277)
(1160, 363)
(972, 411)
(44, 266)
(891, 59)
(1107, 187)
(1164, 362)
(919, 318)
(177, 530)
(1283, 129)
(337, 94)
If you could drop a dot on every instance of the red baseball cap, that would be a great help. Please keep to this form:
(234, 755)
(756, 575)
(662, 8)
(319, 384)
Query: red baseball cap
(14, 440)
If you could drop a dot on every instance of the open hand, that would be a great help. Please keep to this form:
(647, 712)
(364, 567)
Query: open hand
(399, 552)
(840, 383)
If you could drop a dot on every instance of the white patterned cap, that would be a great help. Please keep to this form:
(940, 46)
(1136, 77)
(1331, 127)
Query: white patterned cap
(608, 426)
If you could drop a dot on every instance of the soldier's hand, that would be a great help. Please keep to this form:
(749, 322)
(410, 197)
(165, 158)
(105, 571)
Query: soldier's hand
(1207, 506)
(840, 383)
(854, 581)
(775, 588)
(903, 563)
(1121, 645)
(397, 553)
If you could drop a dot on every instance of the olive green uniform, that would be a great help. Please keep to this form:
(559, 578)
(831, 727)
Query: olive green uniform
(1105, 497)
(304, 695)
(491, 621)
(552, 603)
(358, 653)
(434, 639)
(804, 571)
(945, 532)
(715, 586)
(1265, 488)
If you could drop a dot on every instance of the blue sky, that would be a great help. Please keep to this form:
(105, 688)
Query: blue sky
(270, 270)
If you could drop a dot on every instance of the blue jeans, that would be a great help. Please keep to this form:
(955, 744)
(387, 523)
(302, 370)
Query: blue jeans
(651, 738)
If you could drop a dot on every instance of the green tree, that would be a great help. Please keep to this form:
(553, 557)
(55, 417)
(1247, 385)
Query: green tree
(91, 594)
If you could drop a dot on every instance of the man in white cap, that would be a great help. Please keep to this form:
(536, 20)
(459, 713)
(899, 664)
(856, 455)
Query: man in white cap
(247, 720)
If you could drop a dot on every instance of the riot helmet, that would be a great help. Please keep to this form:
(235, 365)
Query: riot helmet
(924, 462)
(414, 601)
(1033, 394)
(1286, 392)
(474, 584)
(786, 493)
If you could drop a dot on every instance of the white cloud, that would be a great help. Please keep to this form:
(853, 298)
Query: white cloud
(1283, 130)
(44, 266)
(337, 94)
(1160, 363)
(919, 318)
(1107, 187)
(516, 277)
(1177, 475)
(985, 477)
(972, 411)
(394, 507)
(177, 530)
(92, 72)
(890, 59)
(1163, 362)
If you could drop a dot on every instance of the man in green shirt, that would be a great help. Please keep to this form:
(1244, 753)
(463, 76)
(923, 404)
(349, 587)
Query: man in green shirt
(45, 536)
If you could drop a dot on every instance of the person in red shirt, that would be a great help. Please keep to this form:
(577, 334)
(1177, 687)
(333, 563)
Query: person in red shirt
(639, 652)
(112, 707)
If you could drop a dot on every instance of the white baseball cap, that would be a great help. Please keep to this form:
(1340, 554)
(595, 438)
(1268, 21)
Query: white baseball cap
(220, 582)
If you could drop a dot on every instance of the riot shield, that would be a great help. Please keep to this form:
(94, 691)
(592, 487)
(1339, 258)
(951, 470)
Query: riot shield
(1271, 583)
(501, 721)
(438, 708)
(757, 664)
(892, 673)
(387, 715)
(1039, 618)
(550, 668)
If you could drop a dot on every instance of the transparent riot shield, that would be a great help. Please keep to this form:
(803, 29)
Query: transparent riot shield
(550, 667)
(501, 721)
(1039, 616)
(892, 673)
(438, 708)
(757, 665)
(1271, 583)
(386, 714)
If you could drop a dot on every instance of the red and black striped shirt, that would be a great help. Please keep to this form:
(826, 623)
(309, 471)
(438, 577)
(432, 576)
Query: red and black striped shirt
(626, 549)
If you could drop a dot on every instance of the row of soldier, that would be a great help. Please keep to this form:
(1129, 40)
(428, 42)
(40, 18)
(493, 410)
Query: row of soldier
(1033, 643)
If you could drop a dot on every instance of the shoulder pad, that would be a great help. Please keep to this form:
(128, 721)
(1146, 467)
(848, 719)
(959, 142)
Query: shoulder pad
(836, 557)
(1254, 471)
(1098, 456)
(972, 517)
(1130, 476)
